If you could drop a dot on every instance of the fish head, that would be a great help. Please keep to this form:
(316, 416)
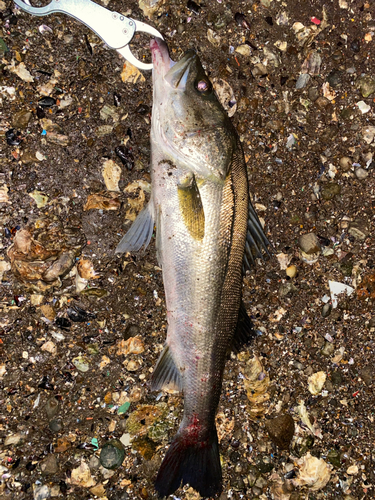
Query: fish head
(188, 122)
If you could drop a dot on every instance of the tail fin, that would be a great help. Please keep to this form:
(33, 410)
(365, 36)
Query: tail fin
(192, 462)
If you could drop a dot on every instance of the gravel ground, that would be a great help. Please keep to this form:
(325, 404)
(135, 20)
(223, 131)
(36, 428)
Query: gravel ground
(81, 328)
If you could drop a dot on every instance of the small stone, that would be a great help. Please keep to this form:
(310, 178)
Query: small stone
(51, 407)
(112, 174)
(49, 464)
(94, 462)
(309, 243)
(55, 425)
(287, 289)
(21, 119)
(14, 439)
(281, 430)
(41, 491)
(363, 107)
(333, 457)
(322, 102)
(330, 190)
(326, 310)
(313, 94)
(334, 78)
(132, 345)
(336, 378)
(328, 348)
(81, 363)
(345, 163)
(366, 85)
(291, 271)
(358, 229)
(81, 476)
(355, 46)
(316, 382)
(361, 173)
(145, 446)
(244, 50)
(367, 375)
(352, 470)
(302, 81)
(112, 454)
(259, 70)
(368, 134)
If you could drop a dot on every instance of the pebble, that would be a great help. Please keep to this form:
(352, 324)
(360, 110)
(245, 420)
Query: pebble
(363, 107)
(330, 190)
(367, 375)
(366, 85)
(334, 78)
(333, 457)
(281, 430)
(41, 491)
(94, 462)
(291, 271)
(287, 289)
(345, 163)
(303, 80)
(112, 454)
(313, 94)
(355, 46)
(358, 229)
(51, 407)
(309, 243)
(49, 464)
(336, 378)
(326, 310)
(361, 173)
(328, 348)
(55, 425)
(21, 119)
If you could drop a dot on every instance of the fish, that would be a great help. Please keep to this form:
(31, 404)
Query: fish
(207, 236)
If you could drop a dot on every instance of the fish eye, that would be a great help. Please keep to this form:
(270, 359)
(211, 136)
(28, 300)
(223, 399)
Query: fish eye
(203, 86)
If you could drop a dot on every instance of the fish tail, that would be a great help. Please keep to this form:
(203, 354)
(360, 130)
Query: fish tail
(191, 461)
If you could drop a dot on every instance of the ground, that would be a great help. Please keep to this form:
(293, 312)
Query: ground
(78, 342)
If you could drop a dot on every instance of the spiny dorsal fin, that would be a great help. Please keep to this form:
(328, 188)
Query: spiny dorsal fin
(166, 373)
(256, 241)
(192, 208)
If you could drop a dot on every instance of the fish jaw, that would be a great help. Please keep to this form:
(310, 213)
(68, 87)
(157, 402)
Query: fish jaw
(160, 57)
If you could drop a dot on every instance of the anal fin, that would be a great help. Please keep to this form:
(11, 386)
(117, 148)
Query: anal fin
(166, 373)
(244, 331)
(140, 231)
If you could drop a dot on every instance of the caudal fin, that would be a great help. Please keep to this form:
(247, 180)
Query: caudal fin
(194, 463)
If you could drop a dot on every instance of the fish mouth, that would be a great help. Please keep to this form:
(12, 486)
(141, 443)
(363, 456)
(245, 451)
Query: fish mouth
(160, 56)
(177, 76)
(174, 73)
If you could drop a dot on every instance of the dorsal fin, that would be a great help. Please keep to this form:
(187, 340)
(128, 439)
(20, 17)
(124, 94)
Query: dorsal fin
(256, 241)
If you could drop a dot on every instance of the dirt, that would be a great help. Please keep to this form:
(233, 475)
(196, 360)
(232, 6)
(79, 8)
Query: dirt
(54, 409)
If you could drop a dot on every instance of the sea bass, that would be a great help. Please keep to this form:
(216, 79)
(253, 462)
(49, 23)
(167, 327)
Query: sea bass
(206, 233)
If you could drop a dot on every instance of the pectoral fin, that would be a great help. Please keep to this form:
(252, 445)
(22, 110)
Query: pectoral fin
(191, 208)
(140, 232)
(166, 373)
